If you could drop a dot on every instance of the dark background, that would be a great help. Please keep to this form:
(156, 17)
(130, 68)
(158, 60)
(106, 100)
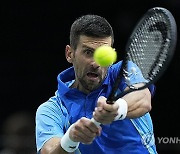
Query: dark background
(33, 39)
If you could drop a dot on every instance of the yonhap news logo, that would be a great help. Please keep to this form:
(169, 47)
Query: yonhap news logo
(168, 140)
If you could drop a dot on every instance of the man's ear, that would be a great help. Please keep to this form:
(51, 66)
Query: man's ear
(69, 53)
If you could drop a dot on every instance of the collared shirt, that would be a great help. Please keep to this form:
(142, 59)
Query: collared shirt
(128, 136)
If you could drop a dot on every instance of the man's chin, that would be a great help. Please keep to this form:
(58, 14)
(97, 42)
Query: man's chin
(92, 87)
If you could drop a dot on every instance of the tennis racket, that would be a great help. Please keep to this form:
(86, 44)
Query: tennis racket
(151, 47)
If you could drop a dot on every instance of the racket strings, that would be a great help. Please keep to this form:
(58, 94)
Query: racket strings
(150, 44)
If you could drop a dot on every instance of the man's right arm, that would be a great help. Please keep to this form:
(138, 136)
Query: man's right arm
(84, 131)
(52, 146)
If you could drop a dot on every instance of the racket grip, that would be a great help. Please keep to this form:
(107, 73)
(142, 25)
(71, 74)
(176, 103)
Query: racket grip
(95, 122)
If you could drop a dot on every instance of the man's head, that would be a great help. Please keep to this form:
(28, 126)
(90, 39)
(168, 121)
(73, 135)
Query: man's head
(91, 26)
(87, 33)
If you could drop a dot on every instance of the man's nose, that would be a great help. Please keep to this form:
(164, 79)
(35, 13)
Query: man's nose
(95, 65)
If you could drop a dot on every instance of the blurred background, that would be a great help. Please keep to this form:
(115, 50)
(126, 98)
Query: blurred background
(33, 39)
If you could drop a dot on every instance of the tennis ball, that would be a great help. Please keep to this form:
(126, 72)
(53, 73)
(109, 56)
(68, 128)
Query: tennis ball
(105, 56)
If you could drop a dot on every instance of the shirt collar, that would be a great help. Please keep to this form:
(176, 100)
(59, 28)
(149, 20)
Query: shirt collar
(67, 77)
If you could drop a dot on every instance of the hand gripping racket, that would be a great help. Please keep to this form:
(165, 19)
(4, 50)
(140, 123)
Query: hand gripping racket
(151, 47)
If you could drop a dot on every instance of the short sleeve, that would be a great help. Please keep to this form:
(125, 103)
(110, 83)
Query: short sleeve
(134, 76)
(50, 122)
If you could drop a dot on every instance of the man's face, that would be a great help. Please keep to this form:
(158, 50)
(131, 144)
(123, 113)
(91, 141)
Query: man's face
(89, 75)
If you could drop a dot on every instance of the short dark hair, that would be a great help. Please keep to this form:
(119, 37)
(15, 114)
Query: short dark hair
(92, 26)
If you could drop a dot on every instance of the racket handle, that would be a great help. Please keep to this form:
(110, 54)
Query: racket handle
(95, 122)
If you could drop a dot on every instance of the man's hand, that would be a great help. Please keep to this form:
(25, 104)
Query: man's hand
(84, 131)
(105, 113)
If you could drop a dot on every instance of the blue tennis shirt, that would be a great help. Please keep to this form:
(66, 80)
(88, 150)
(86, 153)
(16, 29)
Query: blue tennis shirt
(128, 136)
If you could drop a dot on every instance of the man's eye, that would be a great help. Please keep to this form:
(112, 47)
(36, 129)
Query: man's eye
(88, 52)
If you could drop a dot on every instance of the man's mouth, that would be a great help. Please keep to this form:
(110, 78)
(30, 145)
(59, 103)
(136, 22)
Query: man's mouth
(92, 75)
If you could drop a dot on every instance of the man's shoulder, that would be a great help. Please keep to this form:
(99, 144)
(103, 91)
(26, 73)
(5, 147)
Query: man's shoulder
(53, 104)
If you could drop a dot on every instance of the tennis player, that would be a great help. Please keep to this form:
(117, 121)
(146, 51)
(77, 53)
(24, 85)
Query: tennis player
(63, 123)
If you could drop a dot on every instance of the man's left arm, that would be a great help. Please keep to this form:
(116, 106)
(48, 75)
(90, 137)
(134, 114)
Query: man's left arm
(133, 105)
(139, 102)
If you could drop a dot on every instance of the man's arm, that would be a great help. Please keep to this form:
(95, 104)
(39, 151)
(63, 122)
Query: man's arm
(84, 130)
(138, 104)
(52, 146)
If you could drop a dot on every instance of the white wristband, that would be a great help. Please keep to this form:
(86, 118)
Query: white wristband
(122, 111)
(67, 144)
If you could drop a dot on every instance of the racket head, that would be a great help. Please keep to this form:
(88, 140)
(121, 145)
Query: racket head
(150, 46)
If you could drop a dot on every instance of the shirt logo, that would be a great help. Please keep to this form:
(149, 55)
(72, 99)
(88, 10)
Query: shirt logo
(148, 139)
(72, 147)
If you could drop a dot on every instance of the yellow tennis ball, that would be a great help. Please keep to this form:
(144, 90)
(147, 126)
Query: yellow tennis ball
(105, 55)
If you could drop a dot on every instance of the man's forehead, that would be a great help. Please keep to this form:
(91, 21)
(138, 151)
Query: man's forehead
(94, 42)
